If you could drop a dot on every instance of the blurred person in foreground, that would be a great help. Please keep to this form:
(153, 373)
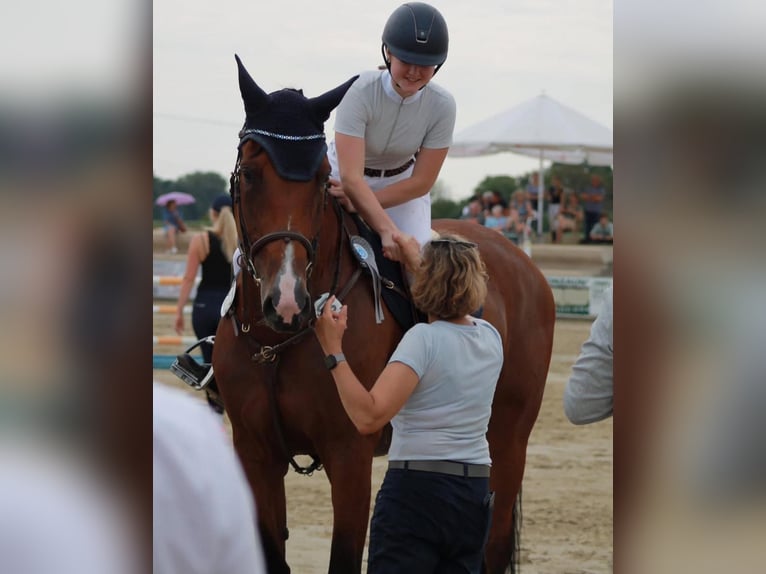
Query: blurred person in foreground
(433, 511)
(212, 249)
(204, 512)
(589, 392)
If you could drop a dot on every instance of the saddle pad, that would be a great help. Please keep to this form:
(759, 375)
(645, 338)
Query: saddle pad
(401, 307)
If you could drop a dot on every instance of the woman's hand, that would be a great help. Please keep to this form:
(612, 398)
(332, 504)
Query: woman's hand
(336, 190)
(330, 327)
(179, 323)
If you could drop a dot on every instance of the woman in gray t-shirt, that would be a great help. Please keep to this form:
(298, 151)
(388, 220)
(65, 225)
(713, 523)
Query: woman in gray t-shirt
(433, 510)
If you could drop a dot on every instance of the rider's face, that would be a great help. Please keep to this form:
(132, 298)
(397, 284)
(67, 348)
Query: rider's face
(409, 78)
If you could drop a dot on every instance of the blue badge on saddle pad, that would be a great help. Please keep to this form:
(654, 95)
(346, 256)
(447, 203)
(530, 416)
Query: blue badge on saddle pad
(361, 252)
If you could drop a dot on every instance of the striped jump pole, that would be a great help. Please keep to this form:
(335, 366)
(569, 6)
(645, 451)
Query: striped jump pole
(169, 309)
(170, 280)
(164, 361)
(173, 340)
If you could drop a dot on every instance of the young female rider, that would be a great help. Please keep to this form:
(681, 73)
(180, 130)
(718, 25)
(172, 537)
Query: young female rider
(393, 130)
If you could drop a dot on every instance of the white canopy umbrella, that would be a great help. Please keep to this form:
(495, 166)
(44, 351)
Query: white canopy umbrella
(540, 127)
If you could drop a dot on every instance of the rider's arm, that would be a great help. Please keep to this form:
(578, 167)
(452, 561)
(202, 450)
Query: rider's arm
(427, 166)
(350, 151)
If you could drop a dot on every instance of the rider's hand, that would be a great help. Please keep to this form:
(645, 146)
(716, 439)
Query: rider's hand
(409, 249)
(336, 190)
(391, 248)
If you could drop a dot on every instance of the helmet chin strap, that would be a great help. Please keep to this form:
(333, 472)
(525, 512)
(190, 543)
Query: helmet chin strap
(388, 66)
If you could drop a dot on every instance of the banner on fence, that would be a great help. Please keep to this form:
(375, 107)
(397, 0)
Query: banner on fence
(578, 296)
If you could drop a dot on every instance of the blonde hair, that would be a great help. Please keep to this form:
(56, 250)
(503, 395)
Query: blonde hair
(225, 228)
(452, 279)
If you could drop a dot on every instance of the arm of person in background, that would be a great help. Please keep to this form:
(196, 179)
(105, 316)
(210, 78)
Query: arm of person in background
(368, 410)
(196, 254)
(589, 392)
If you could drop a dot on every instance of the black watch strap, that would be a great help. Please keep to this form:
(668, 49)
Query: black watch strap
(331, 361)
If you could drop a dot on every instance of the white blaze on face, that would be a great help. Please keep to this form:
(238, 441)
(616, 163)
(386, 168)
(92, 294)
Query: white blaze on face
(287, 307)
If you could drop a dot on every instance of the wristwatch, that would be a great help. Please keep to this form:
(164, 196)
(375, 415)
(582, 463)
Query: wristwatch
(331, 361)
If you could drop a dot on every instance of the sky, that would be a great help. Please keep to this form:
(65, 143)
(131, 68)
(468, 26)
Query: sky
(501, 54)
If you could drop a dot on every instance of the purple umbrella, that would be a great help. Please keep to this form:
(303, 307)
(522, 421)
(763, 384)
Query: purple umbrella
(180, 198)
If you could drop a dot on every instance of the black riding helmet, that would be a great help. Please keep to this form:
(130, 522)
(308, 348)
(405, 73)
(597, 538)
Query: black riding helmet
(416, 33)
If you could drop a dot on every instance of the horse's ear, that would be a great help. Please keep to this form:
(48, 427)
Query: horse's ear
(253, 96)
(327, 102)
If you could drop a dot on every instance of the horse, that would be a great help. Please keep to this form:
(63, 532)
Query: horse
(279, 396)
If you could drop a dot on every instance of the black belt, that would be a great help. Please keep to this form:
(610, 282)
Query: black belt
(388, 172)
(444, 467)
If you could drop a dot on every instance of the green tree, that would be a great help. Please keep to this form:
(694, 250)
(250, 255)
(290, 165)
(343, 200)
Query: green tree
(204, 186)
(503, 184)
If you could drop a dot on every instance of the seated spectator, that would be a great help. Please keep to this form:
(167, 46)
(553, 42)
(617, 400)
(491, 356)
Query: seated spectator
(496, 220)
(497, 199)
(603, 231)
(473, 211)
(568, 218)
(521, 203)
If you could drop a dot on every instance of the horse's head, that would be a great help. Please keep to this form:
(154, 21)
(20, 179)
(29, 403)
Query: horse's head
(278, 188)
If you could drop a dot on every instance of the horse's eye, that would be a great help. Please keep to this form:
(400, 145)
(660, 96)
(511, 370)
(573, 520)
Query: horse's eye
(248, 175)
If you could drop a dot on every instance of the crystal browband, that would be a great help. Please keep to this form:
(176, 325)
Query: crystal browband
(249, 131)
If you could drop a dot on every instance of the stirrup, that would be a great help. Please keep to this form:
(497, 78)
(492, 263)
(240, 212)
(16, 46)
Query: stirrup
(190, 371)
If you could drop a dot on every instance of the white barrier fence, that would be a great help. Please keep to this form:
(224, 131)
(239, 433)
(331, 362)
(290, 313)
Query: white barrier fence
(575, 296)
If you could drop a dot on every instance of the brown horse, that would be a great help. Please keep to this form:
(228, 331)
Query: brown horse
(269, 366)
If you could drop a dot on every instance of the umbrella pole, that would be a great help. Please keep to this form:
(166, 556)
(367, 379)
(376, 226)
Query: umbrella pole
(540, 199)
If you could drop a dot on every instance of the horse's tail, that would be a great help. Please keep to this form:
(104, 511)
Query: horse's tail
(515, 565)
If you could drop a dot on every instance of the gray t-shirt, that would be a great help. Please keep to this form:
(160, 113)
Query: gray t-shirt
(589, 393)
(446, 417)
(394, 128)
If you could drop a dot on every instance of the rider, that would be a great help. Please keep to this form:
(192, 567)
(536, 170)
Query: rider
(393, 129)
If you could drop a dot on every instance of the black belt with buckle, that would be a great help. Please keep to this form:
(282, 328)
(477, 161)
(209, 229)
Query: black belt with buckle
(444, 467)
(388, 172)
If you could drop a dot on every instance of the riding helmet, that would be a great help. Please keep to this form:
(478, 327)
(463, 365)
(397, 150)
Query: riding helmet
(416, 33)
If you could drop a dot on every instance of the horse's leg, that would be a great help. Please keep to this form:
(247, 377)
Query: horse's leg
(508, 449)
(266, 478)
(349, 469)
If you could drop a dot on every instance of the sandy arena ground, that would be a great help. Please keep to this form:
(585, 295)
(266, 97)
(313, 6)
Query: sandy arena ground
(567, 502)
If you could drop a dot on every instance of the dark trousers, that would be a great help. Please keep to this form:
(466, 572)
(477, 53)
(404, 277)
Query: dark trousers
(206, 314)
(426, 522)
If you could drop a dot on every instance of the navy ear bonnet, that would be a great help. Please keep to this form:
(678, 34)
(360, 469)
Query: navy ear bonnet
(289, 126)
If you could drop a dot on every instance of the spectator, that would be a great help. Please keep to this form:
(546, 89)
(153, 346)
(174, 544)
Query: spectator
(520, 202)
(473, 211)
(603, 231)
(553, 196)
(433, 511)
(173, 224)
(588, 395)
(496, 219)
(393, 129)
(533, 190)
(204, 512)
(568, 218)
(212, 249)
(593, 202)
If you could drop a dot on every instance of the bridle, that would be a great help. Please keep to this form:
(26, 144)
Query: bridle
(249, 250)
